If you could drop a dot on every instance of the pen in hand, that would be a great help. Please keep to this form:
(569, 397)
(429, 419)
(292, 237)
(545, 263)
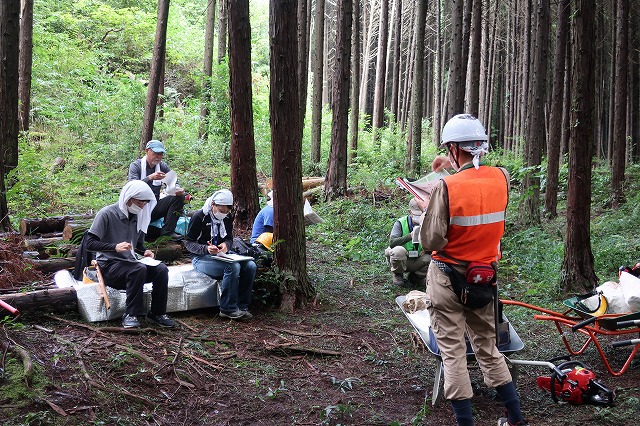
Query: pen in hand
(212, 248)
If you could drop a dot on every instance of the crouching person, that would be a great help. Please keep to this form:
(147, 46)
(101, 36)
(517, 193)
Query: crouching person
(404, 254)
(210, 233)
(116, 235)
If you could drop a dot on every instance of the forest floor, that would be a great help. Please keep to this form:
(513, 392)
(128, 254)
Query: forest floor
(349, 358)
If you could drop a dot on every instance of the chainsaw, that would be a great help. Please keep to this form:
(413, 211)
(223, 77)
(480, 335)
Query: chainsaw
(572, 382)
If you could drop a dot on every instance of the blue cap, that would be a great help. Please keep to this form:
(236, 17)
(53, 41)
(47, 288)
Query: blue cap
(156, 146)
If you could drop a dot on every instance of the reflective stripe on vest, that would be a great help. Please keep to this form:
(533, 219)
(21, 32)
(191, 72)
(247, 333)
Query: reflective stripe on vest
(406, 229)
(477, 209)
(478, 220)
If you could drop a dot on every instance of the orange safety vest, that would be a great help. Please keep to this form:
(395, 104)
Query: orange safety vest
(477, 209)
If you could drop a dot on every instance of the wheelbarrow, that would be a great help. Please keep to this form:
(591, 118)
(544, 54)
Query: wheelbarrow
(509, 343)
(593, 326)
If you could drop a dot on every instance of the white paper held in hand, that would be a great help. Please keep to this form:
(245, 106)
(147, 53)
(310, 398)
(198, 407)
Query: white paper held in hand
(149, 261)
(170, 180)
(415, 236)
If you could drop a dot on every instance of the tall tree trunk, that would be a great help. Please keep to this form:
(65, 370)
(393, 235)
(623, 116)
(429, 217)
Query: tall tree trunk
(25, 63)
(336, 180)
(634, 115)
(286, 149)
(367, 57)
(223, 16)
(208, 68)
(9, 40)
(244, 184)
(472, 97)
(578, 274)
(437, 98)
(620, 106)
(318, 83)
(159, 49)
(416, 93)
(456, 85)
(612, 97)
(396, 52)
(566, 104)
(535, 129)
(161, 97)
(406, 91)
(555, 120)
(354, 112)
(303, 54)
(381, 72)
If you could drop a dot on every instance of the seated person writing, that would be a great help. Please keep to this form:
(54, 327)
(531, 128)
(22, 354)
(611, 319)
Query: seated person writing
(211, 232)
(405, 254)
(116, 235)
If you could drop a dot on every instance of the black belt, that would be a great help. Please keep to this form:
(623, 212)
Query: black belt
(442, 266)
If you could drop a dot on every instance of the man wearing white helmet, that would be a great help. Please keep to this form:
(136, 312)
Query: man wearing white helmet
(117, 235)
(463, 224)
(211, 232)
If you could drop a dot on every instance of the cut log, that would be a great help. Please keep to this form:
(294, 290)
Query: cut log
(38, 244)
(74, 229)
(54, 264)
(51, 235)
(53, 300)
(32, 226)
(307, 183)
(47, 247)
(41, 226)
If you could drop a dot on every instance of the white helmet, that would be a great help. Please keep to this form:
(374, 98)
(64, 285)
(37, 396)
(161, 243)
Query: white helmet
(463, 128)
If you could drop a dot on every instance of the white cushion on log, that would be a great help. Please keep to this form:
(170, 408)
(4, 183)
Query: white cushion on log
(188, 289)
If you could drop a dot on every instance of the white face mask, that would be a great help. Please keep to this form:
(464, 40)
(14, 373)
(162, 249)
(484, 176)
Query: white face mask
(134, 209)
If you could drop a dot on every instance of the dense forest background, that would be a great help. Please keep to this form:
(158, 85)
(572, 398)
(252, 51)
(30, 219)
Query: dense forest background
(519, 65)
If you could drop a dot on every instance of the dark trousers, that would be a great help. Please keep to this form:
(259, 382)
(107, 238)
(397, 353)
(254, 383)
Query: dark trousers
(131, 276)
(170, 208)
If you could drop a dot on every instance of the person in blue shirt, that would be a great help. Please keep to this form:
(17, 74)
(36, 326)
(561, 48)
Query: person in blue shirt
(263, 221)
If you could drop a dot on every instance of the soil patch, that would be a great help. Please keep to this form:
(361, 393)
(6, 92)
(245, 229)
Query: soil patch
(349, 359)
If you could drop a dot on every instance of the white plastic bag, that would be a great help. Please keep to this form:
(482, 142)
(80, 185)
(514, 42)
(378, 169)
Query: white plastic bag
(616, 303)
(631, 289)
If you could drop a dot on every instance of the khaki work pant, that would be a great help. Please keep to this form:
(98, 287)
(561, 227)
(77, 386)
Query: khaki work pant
(400, 262)
(449, 322)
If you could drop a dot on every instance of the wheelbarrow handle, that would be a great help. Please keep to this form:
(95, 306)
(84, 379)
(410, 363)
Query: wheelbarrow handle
(630, 323)
(584, 323)
(13, 311)
(625, 343)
